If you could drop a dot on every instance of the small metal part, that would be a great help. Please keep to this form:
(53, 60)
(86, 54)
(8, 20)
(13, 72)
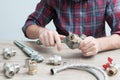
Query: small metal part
(113, 69)
(32, 66)
(38, 42)
(35, 55)
(72, 40)
(8, 53)
(11, 69)
(55, 60)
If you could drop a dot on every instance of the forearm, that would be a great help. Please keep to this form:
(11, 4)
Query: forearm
(46, 36)
(108, 43)
(33, 31)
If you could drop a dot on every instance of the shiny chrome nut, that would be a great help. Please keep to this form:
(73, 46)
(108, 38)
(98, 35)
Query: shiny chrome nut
(11, 69)
(55, 60)
(8, 53)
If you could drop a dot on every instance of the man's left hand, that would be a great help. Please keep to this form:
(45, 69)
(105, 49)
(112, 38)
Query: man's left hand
(89, 46)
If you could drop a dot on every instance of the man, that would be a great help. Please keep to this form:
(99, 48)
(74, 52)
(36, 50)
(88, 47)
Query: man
(80, 17)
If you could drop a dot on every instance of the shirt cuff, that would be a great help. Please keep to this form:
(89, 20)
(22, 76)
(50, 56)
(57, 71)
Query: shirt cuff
(26, 26)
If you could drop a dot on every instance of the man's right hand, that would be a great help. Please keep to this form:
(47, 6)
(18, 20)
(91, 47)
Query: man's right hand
(50, 38)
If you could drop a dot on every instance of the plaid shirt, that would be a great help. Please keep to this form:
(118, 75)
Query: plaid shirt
(86, 17)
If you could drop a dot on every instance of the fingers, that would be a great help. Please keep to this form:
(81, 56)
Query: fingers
(62, 36)
(90, 51)
(58, 41)
(46, 40)
(50, 38)
(89, 46)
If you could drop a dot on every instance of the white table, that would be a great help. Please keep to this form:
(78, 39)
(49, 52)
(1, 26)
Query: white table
(68, 55)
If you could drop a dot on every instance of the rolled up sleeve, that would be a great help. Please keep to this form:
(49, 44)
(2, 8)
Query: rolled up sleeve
(113, 15)
(42, 15)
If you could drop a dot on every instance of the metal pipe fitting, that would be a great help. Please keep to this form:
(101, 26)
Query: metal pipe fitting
(32, 66)
(11, 69)
(113, 69)
(90, 68)
(55, 60)
(8, 53)
(73, 40)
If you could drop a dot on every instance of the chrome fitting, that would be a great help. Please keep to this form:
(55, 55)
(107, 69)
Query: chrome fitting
(73, 40)
(11, 69)
(8, 53)
(55, 60)
(31, 65)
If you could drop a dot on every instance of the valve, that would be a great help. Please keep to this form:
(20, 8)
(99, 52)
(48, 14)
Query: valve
(111, 68)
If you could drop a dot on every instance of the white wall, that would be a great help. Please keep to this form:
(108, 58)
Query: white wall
(13, 14)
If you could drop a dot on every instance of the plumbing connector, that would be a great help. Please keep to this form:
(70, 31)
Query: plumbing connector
(86, 67)
(32, 66)
(111, 68)
(55, 60)
(11, 69)
(8, 53)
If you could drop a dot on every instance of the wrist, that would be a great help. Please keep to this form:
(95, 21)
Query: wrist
(100, 48)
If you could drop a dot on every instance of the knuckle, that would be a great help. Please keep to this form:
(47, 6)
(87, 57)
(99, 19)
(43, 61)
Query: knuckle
(81, 48)
(55, 32)
(49, 32)
(52, 43)
(41, 37)
(93, 43)
(45, 35)
(47, 44)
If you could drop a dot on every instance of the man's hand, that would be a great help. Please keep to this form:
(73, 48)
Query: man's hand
(50, 38)
(89, 46)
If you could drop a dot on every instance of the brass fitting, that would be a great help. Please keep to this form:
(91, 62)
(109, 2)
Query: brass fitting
(113, 69)
(32, 66)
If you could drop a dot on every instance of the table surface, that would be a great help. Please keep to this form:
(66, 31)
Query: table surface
(69, 56)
